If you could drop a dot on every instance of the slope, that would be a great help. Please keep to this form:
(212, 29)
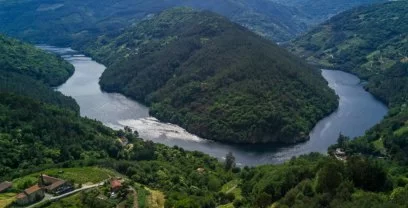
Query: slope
(319, 11)
(215, 78)
(29, 71)
(371, 42)
(64, 22)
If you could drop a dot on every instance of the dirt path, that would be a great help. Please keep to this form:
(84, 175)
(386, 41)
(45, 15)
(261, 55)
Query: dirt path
(135, 199)
(231, 189)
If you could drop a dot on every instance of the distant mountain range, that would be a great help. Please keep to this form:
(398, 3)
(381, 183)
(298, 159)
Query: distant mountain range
(64, 22)
(318, 11)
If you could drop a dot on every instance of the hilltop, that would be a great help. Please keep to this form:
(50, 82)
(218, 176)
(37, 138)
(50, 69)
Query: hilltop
(31, 72)
(214, 78)
(39, 137)
(68, 23)
(370, 42)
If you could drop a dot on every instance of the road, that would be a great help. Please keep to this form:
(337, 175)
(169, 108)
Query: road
(135, 200)
(49, 197)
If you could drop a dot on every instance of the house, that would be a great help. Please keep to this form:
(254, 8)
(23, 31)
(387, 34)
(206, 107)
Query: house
(116, 185)
(200, 170)
(340, 154)
(5, 185)
(54, 185)
(30, 195)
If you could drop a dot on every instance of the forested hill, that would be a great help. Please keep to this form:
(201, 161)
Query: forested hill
(38, 137)
(214, 78)
(319, 11)
(29, 71)
(22, 58)
(67, 22)
(370, 42)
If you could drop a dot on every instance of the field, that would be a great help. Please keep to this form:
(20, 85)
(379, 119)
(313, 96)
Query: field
(73, 201)
(6, 199)
(231, 187)
(83, 175)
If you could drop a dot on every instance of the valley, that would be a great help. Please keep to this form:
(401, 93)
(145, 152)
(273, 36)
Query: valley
(251, 124)
(358, 111)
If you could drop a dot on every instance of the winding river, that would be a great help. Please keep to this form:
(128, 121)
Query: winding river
(357, 112)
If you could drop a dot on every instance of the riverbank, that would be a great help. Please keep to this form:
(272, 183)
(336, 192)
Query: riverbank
(358, 111)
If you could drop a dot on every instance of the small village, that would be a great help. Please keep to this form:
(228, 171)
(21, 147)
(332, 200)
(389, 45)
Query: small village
(50, 189)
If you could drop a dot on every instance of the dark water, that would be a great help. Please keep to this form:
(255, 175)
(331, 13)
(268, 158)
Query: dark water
(358, 111)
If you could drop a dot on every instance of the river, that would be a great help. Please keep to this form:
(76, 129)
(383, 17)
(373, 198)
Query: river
(358, 111)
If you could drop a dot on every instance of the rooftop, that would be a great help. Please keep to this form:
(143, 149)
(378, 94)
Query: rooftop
(32, 189)
(116, 184)
(5, 185)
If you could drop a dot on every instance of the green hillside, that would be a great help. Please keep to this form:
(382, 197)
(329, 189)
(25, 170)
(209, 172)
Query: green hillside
(29, 71)
(370, 42)
(319, 11)
(66, 22)
(214, 78)
(38, 137)
(25, 59)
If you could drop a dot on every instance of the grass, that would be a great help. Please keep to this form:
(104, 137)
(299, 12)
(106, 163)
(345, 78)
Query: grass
(142, 195)
(156, 199)
(6, 199)
(230, 187)
(379, 145)
(229, 205)
(73, 201)
(401, 131)
(81, 175)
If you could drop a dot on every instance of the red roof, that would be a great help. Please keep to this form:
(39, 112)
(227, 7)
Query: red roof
(28, 192)
(21, 196)
(32, 189)
(50, 179)
(116, 184)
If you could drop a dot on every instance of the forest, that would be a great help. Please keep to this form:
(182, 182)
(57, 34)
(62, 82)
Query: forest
(41, 129)
(367, 41)
(372, 43)
(216, 79)
(69, 23)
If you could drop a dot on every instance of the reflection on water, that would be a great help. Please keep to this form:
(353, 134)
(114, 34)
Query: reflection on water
(358, 111)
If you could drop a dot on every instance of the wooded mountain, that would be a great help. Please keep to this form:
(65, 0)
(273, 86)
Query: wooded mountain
(318, 11)
(29, 71)
(37, 136)
(64, 22)
(214, 78)
(371, 42)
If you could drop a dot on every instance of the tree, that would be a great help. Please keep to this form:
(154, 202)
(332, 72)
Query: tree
(229, 161)
(329, 177)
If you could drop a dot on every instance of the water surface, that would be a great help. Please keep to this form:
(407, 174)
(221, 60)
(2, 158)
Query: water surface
(357, 112)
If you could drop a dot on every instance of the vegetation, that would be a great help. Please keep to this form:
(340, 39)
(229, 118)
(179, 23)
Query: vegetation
(372, 43)
(28, 71)
(319, 11)
(25, 59)
(39, 134)
(369, 42)
(215, 78)
(77, 175)
(65, 22)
